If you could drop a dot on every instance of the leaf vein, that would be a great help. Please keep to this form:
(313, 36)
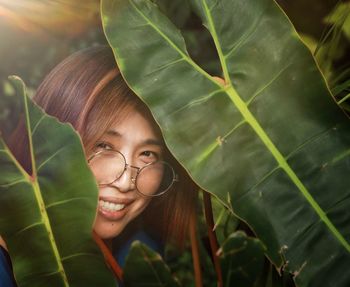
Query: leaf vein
(197, 101)
(285, 166)
(172, 44)
(77, 255)
(49, 158)
(165, 66)
(211, 147)
(274, 78)
(244, 37)
(270, 145)
(13, 182)
(314, 138)
(29, 227)
(63, 201)
(341, 156)
(37, 124)
(148, 259)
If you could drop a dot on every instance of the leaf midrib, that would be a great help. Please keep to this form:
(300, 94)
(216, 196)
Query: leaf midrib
(172, 44)
(37, 190)
(248, 116)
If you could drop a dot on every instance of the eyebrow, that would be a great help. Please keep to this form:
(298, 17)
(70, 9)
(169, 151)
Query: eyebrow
(113, 133)
(149, 141)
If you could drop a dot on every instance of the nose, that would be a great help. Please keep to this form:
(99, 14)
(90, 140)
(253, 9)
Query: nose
(126, 182)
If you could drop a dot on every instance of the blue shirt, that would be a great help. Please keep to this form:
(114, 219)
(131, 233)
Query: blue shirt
(6, 275)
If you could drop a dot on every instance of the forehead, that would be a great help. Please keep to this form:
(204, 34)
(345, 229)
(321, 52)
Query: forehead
(135, 126)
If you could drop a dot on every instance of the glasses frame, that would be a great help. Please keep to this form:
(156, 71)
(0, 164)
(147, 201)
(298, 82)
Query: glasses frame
(138, 171)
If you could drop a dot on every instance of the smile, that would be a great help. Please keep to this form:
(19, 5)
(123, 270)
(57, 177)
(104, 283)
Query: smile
(110, 206)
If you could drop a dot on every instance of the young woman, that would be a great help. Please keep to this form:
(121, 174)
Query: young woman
(144, 193)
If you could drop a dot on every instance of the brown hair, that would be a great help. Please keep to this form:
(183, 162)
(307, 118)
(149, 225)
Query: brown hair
(88, 91)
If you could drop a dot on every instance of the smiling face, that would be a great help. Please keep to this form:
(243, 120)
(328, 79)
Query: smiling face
(138, 139)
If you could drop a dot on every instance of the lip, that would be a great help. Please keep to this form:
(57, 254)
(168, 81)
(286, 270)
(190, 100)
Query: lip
(116, 200)
(114, 215)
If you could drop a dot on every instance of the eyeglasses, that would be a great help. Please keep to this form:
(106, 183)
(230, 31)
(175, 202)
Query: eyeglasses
(153, 179)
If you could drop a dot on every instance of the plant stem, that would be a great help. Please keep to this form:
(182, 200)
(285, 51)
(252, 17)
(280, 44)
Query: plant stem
(113, 264)
(344, 99)
(195, 252)
(214, 246)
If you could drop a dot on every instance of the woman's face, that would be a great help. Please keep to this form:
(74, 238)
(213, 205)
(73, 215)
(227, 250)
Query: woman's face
(135, 137)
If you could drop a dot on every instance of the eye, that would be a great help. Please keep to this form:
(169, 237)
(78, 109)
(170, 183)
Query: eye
(148, 156)
(103, 146)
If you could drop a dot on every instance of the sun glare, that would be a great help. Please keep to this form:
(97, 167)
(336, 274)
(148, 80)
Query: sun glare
(45, 17)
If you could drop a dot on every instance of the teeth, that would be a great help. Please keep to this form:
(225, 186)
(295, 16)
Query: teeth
(110, 206)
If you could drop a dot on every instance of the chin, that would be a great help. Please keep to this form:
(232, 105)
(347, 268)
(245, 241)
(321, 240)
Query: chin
(108, 231)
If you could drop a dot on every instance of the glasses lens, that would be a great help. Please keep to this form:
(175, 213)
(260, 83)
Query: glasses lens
(107, 166)
(155, 179)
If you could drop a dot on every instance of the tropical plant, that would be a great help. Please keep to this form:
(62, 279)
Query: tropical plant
(270, 143)
(331, 50)
(46, 214)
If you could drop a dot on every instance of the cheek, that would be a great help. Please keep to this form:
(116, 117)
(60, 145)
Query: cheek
(140, 205)
(150, 179)
(149, 186)
(109, 229)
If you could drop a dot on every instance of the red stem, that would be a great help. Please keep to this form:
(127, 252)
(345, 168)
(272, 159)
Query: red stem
(113, 264)
(195, 252)
(214, 245)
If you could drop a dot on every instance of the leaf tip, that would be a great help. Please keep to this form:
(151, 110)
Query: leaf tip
(16, 81)
(14, 78)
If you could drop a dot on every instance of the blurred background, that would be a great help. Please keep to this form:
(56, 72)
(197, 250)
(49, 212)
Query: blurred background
(36, 35)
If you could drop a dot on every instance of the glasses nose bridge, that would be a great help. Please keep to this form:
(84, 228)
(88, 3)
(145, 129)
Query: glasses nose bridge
(133, 175)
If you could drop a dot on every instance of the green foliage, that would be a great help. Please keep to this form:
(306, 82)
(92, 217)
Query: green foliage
(181, 263)
(242, 260)
(340, 17)
(331, 51)
(271, 139)
(46, 216)
(294, 109)
(144, 267)
(333, 45)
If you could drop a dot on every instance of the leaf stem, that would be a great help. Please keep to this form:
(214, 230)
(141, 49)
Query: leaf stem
(29, 129)
(195, 252)
(217, 44)
(183, 54)
(117, 270)
(35, 185)
(344, 99)
(214, 245)
(45, 219)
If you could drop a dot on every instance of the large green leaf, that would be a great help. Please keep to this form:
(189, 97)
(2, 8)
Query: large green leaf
(271, 144)
(144, 267)
(46, 218)
(242, 260)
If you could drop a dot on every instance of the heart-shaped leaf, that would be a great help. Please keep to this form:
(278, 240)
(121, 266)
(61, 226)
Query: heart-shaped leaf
(144, 267)
(46, 217)
(271, 140)
(242, 260)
